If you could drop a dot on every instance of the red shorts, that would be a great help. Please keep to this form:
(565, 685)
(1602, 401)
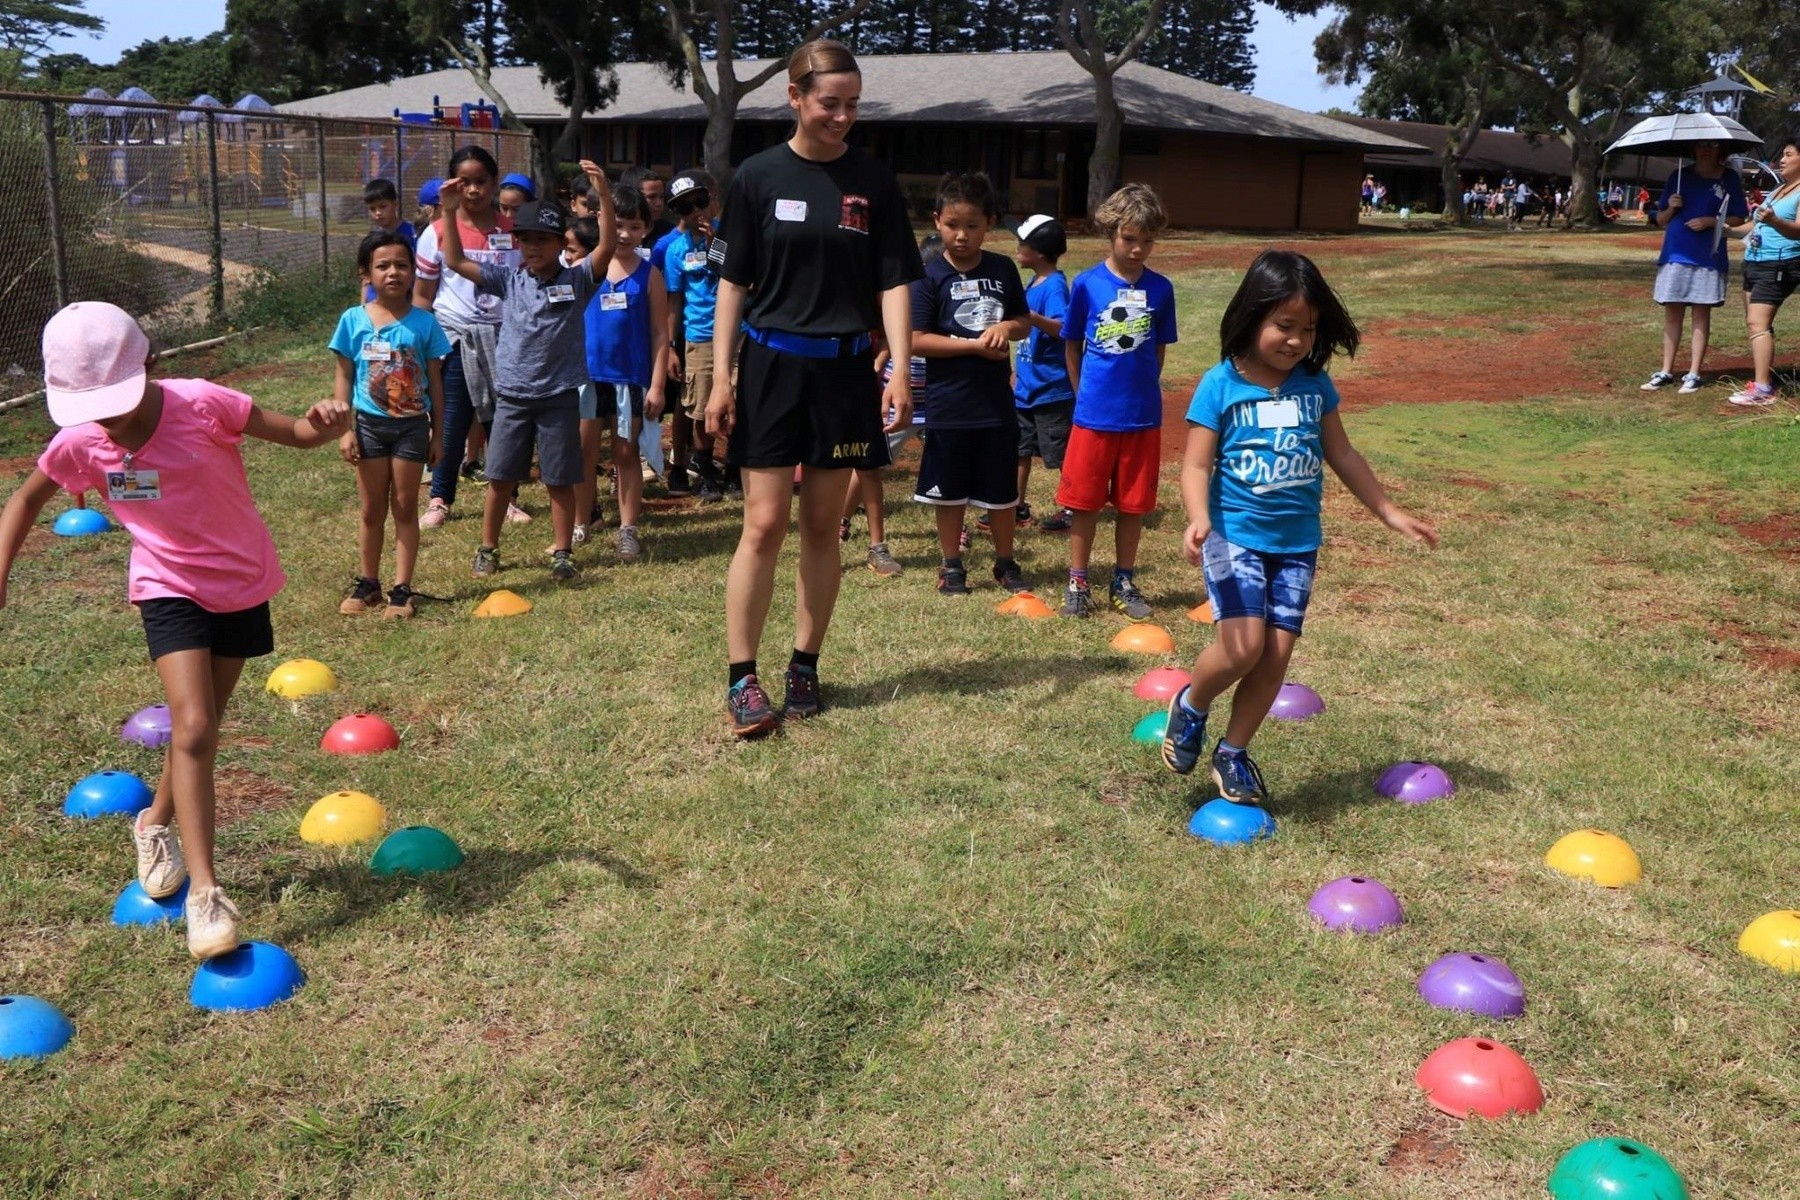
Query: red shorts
(1110, 468)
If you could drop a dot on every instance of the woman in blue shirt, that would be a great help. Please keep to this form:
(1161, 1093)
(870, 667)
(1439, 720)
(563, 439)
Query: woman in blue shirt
(1771, 270)
(1691, 270)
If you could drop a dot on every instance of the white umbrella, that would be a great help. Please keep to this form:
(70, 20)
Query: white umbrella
(1676, 135)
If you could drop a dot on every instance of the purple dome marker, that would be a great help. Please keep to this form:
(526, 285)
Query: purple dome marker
(1355, 904)
(1476, 983)
(150, 727)
(1415, 783)
(1296, 702)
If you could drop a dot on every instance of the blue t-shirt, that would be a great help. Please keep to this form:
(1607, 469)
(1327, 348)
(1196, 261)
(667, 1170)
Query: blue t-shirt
(1723, 197)
(1120, 325)
(1769, 244)
(391, 379)
(688, 272)
(405, 230)
(1268, 481)
(1041, 372)
(618, 329)
(968, 391)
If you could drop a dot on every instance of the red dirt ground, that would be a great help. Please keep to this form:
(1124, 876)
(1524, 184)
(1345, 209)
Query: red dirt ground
(1758, 650)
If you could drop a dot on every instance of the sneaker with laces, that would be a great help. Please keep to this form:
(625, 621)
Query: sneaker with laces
(734, 490)
(1078, 601)
(1126, 598)
(748, 706)
(487, 561)
(1022, 516)
(1661, 379)
(962, 540)
(1690, 383)
(630, 548)
(985, 522)
(402, 601)
(562, 566)
(471, 469)
(1009, 577)
(364, 596)
(1184, 737)
(577, 537)
(843, 529)
(1238, 779)
(1057, 522)
(435, 514)
(516, 515)
(707, 491)
(882, 562)
(212, 923)
(952, 581)
(802, 699)
(678, 482)
(160, 868)
(1753, 395)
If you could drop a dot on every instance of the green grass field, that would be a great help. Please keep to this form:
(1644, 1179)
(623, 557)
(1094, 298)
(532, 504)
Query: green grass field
(952, 939)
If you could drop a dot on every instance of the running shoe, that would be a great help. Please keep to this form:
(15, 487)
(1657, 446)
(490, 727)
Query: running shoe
(707, 490)
(962, 540)
(1238, 779)
(678, 482)
(562, 566)
(161, 870)
(883, 563)
(1022, 516)
(402, 601)
(1058, 522)
(435, 514)
(844, 529)
(1660, 379)
(363, 596)
(1690, 383)
(1184, 738)
(1009, 577)
(749, 708)
(577, 537)
(734, 488)
(471, 469)
(211, 923)
(516, 515)
(487, 560)
(1753, 395)
(1078, 601)
(952, 581)
(630, 549)
(802, 700)
(987, 526)
(1126, 598)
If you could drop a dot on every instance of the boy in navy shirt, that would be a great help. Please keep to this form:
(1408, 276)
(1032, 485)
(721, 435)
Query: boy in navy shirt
(1121, 318)
(382, 199)
(965, 312)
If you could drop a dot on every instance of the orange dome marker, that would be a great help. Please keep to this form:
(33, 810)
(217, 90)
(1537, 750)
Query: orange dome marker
(1144, 639)
(1201, 612)
(503, 604)
(1024, 605)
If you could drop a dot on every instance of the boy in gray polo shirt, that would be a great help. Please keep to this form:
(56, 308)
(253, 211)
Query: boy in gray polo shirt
(540, 363)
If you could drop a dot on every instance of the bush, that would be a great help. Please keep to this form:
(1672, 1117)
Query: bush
(297, 299)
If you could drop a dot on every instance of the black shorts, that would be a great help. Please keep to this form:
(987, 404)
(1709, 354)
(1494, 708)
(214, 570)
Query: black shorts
(606, 400)
(1044, 431)
(407, 438)
(823, 413)
(1771, 282)
(969, 466)
(174, 623)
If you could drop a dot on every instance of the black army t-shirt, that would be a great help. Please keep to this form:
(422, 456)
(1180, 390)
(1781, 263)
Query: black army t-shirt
(967, 391)
(814, 242)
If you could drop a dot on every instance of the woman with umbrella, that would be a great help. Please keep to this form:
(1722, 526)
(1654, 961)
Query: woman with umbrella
(1696, 205)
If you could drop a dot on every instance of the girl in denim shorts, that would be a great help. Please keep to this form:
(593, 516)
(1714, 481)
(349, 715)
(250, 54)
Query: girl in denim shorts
(1262, 428)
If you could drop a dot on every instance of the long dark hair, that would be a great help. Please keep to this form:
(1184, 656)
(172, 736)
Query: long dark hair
(1276, 277)
(472, 153)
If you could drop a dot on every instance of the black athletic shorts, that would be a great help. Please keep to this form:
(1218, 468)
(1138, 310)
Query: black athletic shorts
(1771, 282)
(823, 413)
(970, 466)
(174, 623)
(406, 438)
(1044, 431)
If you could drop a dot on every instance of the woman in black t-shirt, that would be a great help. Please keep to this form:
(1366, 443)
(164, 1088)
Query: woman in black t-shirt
(814, 250)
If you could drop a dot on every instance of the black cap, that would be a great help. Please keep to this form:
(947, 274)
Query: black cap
(538, 216)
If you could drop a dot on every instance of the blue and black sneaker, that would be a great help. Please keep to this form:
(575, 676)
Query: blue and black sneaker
(751, 713)
(1184, 738)
(802, 700)
(1238, 779)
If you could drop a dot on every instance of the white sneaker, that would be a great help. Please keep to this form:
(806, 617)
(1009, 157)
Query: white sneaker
(579, 536)
(1690, 383)
(1754, 395)
(435, 514)
(1660, 379)
(160, 868)
(211, 923)
(517, 515)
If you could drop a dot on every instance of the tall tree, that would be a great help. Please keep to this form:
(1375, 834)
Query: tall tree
(1206, 39)
(714, 22)
(27, 27)
(293, 49)
(1087, 41)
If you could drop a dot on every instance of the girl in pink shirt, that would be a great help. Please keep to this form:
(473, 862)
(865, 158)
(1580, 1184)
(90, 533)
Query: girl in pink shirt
(203, 567)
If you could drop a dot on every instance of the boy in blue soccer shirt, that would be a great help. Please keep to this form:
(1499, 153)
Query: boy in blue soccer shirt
(695, 281)
(965, 311)
(1121, 318)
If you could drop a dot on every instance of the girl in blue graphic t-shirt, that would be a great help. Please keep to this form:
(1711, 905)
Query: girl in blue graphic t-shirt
(1262, 428)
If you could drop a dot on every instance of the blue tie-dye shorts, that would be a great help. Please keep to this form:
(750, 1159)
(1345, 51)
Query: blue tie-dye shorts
(1242, 582)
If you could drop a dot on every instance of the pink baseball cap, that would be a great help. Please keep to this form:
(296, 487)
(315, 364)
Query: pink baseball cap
(94, 355)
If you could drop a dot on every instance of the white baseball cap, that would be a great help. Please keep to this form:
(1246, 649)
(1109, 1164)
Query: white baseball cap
(94, 363)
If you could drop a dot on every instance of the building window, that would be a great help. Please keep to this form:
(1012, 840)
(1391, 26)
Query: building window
(619, 144)
(1031, 153)
(682, 154)
(656, 144)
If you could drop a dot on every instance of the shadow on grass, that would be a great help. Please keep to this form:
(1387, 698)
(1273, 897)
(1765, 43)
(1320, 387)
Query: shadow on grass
(486, 878)
(978, 678)
(1619, 272)
(1323, 796)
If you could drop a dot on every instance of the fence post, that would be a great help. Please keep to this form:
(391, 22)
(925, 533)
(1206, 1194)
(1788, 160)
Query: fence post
(324, 205)
(218, 236)
(59, 259)
(400, 163)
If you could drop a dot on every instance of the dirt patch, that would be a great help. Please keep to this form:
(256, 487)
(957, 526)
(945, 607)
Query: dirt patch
(242, 375)
(1176, 256)
(1763, 653)
(1779, 532)
(1115, 790)
(1425, 1147)
(17, 466)
(1473, 482)
(243, 793)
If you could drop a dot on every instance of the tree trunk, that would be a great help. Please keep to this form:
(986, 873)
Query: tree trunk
(1109, 124)
(715, 147)
(1456, 148)
(1584, 200)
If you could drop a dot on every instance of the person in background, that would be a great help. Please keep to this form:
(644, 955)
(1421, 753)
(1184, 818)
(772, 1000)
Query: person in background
(1692, 269)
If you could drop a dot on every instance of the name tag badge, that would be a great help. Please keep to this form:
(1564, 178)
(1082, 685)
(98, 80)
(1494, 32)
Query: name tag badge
(1133, 296)
(1277, 414)
(559, 293)
(134, 485)
(500, 241)
(965, 289)
(376, 350)
(790, 210)
(694, 260)
(613, 301)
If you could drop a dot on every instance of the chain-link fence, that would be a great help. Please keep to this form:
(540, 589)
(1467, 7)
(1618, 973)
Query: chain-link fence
(167, 210)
